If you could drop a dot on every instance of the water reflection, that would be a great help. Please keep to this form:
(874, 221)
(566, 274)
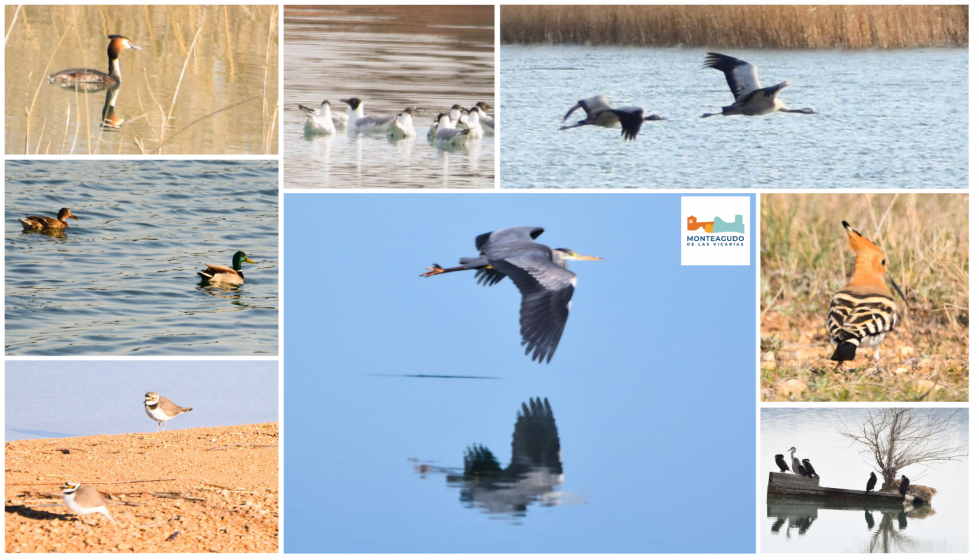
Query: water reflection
(886, 533)
(534, 473)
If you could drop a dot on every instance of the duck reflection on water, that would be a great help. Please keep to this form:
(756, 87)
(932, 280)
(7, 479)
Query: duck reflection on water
(533, 476)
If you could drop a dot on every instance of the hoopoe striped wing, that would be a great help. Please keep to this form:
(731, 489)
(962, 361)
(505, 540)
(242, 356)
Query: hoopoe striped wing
(856, 319)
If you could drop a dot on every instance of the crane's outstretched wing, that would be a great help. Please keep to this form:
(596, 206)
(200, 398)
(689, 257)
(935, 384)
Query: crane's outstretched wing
(742, 77)
(536, 443)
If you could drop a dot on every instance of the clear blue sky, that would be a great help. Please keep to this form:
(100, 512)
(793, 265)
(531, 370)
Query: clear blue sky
(651, 396)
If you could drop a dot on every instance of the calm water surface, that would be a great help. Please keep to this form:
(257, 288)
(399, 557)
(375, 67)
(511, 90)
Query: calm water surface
(391, 58)
(223, 393)
(123, 278)
(876, 127)
(942, 526)
(235, 62)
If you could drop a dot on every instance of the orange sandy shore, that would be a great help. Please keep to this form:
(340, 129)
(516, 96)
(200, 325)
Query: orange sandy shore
(199, 490)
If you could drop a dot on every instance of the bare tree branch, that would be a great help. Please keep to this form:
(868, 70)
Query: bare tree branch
(896, 438)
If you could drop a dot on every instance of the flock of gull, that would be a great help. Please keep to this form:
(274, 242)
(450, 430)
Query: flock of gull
(750, 99)
(452, 129)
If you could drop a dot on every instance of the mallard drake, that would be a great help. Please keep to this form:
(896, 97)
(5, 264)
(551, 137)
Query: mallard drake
(217, 274)
(43, 222)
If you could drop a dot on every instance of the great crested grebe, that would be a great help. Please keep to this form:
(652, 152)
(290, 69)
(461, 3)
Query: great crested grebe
(73, 76)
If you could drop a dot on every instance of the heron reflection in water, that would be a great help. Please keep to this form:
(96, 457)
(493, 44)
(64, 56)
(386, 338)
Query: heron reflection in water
(534, 473)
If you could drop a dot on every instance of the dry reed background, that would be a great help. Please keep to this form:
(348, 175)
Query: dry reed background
(206, 81)
(805, 260)
(785, 27)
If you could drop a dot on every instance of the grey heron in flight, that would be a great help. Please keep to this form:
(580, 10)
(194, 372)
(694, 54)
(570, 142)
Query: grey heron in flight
(540, 273)
(599, 112)
(750, 99)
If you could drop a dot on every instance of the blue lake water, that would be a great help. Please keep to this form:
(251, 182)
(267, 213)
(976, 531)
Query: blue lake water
(389, 378)
(877, 126)
(391, 57)
(49, 399)
(122, 279)
(942, 526)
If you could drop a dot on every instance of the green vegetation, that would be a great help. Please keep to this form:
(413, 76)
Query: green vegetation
(775, 27)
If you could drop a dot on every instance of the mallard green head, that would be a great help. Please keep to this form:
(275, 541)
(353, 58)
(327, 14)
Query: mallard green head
(240, 257)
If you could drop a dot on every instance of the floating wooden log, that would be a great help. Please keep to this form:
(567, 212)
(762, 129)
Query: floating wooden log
(784, 485)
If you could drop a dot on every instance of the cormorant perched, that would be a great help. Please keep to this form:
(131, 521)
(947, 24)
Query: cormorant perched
(809, 470)
(780, 461)
(871, 483)
(905, 484)
(797, 467)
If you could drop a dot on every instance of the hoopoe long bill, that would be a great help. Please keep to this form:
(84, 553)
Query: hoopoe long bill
(862, 312)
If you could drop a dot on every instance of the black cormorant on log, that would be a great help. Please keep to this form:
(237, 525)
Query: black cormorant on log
(871, 483)
(905, 484)
(808, 467)
(780, 461)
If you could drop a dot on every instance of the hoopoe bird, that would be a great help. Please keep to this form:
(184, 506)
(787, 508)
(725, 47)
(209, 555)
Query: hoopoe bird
(862, 312)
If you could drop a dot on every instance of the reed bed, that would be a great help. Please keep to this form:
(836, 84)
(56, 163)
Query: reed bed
(765, 27)
(805, 260)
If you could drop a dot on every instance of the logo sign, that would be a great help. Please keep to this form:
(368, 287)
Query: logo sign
(715, 230)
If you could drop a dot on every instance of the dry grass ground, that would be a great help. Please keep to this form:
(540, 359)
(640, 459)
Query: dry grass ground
(786, 27)
(805, 260)
(197, 490)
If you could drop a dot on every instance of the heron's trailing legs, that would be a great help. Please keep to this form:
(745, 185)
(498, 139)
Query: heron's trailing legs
(436, 269)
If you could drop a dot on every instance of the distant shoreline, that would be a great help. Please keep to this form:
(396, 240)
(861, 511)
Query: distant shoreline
(194, 490)
(738, 27)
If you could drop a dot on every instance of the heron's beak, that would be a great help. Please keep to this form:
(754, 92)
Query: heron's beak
(249, 260)
(893, 283)
(578, 257)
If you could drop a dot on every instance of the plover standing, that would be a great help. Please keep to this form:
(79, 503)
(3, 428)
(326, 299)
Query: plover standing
(162, 409)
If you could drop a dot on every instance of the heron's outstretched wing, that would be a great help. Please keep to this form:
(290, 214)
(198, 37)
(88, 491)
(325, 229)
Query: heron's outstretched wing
(742, 77)
(547, 289)
(631, 120)
(535, 440)
(507, 236)
(479, 461)
(592, 106)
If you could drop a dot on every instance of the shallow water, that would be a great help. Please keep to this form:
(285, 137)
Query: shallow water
(233, 63)
(388, 384)
(391, 58)
(221, 393)
(877, 127)
(122, 279)
(941, 527)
